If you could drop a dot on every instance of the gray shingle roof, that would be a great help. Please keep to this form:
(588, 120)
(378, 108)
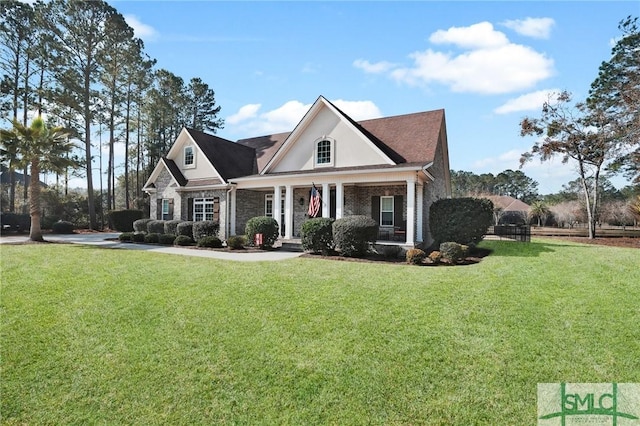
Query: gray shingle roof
(230, 159)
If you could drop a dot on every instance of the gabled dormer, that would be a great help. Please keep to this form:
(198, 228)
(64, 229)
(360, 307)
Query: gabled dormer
(326, 138)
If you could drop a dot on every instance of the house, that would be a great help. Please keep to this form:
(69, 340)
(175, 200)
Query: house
(390, 168)
(509, 210)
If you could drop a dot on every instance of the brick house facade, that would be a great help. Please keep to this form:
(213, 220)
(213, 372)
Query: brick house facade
(390, 169)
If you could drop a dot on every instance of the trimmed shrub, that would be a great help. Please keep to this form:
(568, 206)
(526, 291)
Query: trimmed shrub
(171, 227)
(236, 242)
(210, 242)
(183, 240)
(138, 237)
(205, 228)
(462, 220)
(62, 227)
(122, 220)
(185, 228)
(126, 236)
(435, 256)
(152, 237)
(452, 251)
(317, 235)
(415, 256)
(140, 225)
(353, 234)
(166, 239)
(267, 226)
(155, 227)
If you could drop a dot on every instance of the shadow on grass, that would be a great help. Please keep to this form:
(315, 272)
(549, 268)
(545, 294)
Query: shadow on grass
(520, 249)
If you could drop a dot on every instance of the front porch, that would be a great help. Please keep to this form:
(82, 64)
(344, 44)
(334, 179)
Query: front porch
(394, 199)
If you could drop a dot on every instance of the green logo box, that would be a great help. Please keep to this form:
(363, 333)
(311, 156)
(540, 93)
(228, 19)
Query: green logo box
(593, 404)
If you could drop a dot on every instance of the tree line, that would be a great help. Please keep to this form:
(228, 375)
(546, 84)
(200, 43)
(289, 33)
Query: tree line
(600, 134)
(565, 207)
(79, 64)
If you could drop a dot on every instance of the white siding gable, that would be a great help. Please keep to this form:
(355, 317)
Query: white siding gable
(201, 169)
(350, 147)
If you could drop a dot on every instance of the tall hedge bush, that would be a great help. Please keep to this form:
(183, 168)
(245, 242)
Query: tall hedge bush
(267, 226)
(461, 220)
(185, 228)
(171, 227)
(353, 234)
(140, 225)
(205, 228)
(317, 235)
(155, 227)
(122, 220)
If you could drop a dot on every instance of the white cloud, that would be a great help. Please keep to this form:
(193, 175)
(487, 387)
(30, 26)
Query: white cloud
(141, 30)
(528, 102)
(251, 122)
(488, 64)
(531, 27)
(358, 110)
(481, 35)
(373, 68)
(244, 113)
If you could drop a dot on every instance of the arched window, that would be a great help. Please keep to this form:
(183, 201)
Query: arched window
(324, 152)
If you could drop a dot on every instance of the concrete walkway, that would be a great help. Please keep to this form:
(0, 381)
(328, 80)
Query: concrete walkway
(103, 239)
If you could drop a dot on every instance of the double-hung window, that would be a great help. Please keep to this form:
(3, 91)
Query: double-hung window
(189, 157)
(165, 209)
(203, 209)
(386, 211)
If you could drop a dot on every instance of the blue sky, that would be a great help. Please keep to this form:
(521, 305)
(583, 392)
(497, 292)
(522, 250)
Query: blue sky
(488, 64)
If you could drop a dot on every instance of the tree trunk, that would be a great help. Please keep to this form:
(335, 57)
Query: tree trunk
(89, 160)
(35, 233)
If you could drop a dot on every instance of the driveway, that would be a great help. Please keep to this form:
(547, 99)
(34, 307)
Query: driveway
(105, 239)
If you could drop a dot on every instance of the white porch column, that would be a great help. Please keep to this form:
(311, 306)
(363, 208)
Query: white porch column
(277, 213)
(288, 213)
(339, 200)
(419, 212)
(411, 211)
(326, 200)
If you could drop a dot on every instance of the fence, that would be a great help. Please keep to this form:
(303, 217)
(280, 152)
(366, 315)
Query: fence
(513, 232)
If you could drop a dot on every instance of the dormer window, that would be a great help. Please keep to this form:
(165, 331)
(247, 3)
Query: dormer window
(324, 152)
(189, 159)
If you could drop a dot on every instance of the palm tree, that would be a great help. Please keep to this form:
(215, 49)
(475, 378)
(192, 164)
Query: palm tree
(540, 210)
(42, 148)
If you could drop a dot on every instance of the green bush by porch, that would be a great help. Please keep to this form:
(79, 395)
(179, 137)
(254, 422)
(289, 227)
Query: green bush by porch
(267, 226)
(317, 235)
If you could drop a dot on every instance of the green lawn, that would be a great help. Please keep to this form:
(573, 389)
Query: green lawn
(98, 336)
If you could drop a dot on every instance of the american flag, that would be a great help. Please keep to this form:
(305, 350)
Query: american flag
(314, 203)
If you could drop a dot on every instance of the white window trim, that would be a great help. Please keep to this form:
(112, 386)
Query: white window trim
(184, 157)
(332, 152)
(203, 202)
(268, 198)
(393, 213)
(166, 208)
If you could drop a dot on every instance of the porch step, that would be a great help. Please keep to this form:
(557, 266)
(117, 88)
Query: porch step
(291, 246)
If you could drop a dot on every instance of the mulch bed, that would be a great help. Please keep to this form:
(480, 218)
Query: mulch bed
(474, 257)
